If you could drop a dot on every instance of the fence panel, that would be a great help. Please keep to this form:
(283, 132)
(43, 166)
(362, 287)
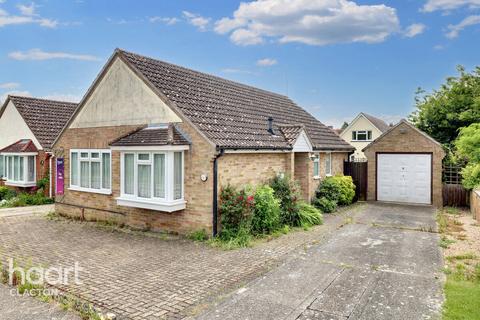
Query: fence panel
(358, 172)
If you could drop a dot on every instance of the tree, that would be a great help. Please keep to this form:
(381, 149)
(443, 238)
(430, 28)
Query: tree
(468, 148)
(455, 105)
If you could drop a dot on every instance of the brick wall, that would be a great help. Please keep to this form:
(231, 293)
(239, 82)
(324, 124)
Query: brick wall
(406, 139)
(475, 204)
(92, 206)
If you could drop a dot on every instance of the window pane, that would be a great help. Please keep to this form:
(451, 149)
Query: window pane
(84, 155)
(316, 171)
(16, 168)
(144, 180)
(144, 156)
(328, 163)
(84, 174)
(31, 168)
(95, 175)
(21, 175)
(74, 169)
(369, 135)
(177, 176)
(95, 155)
(362, 136)
(354, 135)
(159, 176)
(129, 174)
(1, 166)
(106, 171)
(10, 168)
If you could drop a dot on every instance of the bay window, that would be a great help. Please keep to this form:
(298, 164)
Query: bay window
(152, 179)
(18, 169)
(90, 171)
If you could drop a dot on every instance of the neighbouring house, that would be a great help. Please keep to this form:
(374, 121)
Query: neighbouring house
(152, 144)
(28, 128)
(405, 166)
(361, 131)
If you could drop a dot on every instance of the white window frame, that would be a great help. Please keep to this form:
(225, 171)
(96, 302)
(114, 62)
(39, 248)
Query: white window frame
(2, 170)
(23, 182)
(89, 159)
(328, 169)
(355, 134)
(167, 204)
(316, 162)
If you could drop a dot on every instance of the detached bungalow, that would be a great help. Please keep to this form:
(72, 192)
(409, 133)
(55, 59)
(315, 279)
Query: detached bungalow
(28, 127)
(152, 143)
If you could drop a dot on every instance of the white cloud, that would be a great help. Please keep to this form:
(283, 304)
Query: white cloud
(4, 96)
(434, 5)
(27, 16)
(196, 20)
(414, 30)
(267, 62)
(63, 97)
(166, 20)
(438, 47)
(27, 10)
(314, 22)
(9, 85)
(38, 54)
(455, 29)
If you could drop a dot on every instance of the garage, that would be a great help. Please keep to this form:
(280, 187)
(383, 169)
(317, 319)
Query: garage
(404, 177)
(405, 166)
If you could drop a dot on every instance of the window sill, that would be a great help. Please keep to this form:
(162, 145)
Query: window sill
(20, 184)
(317, 178)
(99, 191)
(176, 205)
(328, 175)
(361, 140)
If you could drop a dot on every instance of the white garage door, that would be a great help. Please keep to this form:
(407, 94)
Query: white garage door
(404, 178)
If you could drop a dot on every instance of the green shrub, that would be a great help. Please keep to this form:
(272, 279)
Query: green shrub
(309, 215)
(198, 235)
(27, 199)
(43, 183)
(235, 210)
(471, 176)
(287, 192)
(266, 213)
(325, 205)
(339, 189)
(6, 193)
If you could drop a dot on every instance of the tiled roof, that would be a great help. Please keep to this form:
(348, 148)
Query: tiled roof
(151, 137)
(46, 118)
(230, 114)
(24, 145)
(379, 123)
(291, 132)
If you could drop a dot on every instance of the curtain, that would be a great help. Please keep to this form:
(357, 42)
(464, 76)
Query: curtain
(84, 174)
(129, 174)
(31, 168)
(106, 171)
(144, 180)
(21, 176)
(177, 176)
(16, 168)
(316, 167)
(159, 175)
(95, 174)
(10, 168)
(328, 163)
(74, 169)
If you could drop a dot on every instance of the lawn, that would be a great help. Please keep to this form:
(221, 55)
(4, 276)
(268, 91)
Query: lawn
(462, 300)
(460, 235)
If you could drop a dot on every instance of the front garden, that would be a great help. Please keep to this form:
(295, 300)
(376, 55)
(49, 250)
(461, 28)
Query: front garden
(10, 198)
(275, 208)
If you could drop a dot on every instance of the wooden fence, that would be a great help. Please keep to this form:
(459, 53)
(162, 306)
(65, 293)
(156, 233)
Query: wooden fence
(454, 194)
(358, 172)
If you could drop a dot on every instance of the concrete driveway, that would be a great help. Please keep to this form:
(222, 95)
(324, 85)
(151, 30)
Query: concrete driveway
(385, 264)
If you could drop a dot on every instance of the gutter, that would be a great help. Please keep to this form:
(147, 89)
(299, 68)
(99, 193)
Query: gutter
(215, 192)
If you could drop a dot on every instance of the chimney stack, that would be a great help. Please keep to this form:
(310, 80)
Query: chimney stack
(270, 125)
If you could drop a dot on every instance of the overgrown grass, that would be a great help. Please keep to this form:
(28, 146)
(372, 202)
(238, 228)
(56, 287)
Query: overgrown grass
(462, 300)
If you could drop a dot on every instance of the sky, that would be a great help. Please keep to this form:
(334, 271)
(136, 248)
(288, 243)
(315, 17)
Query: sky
(335, 58)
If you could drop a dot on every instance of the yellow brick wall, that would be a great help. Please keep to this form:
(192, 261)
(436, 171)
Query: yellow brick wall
(409, 141)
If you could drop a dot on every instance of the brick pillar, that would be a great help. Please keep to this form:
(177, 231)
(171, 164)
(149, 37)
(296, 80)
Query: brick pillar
(303, 174)
(290, 165)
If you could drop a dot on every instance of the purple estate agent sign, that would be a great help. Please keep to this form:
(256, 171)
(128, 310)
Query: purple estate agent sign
(60, 177)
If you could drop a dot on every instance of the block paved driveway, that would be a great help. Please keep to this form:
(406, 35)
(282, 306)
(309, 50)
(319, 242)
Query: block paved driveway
(385, 264)
(144, 277)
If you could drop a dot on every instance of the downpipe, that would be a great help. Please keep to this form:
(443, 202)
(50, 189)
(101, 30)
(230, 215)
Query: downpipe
(215, 193)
